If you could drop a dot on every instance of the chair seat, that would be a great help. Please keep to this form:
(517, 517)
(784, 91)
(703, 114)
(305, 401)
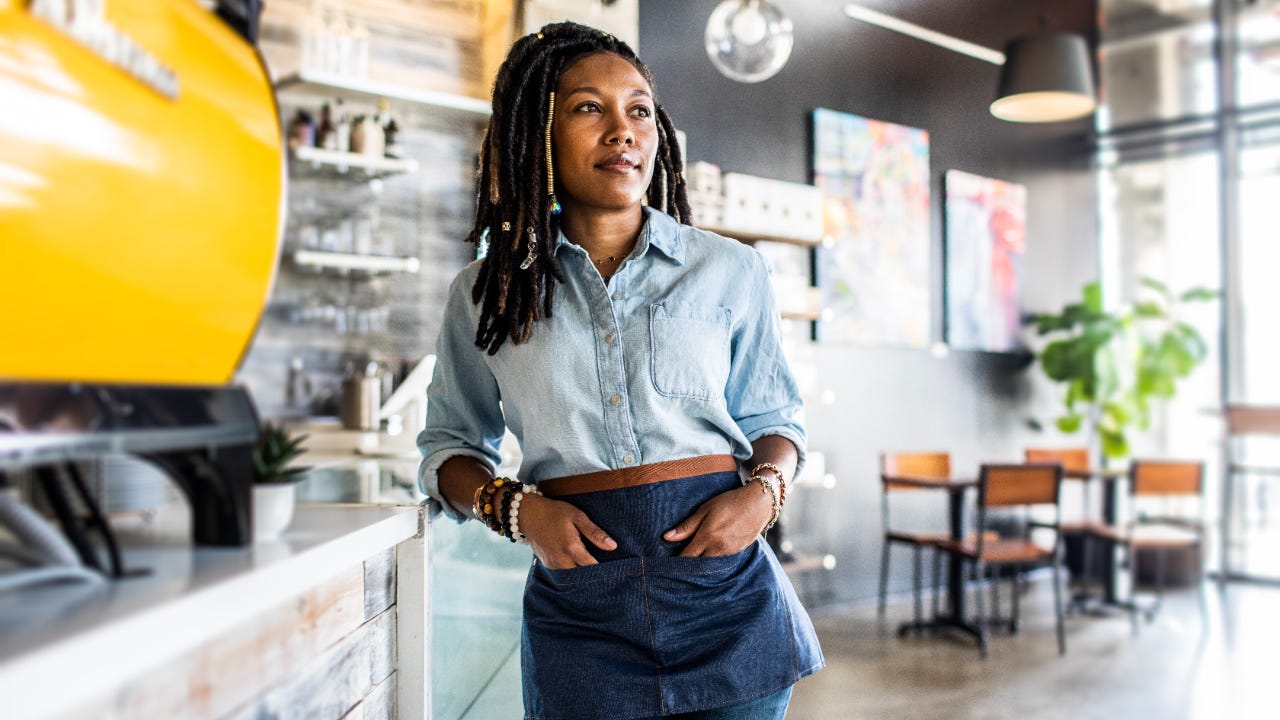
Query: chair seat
(934, 538)
(997, 550)
(1080, 527)
(1148, 536)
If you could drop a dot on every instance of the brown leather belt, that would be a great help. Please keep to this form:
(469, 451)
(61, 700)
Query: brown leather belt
(638, 475)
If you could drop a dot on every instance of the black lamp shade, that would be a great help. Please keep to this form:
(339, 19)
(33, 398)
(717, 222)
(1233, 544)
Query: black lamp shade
(1045, 78)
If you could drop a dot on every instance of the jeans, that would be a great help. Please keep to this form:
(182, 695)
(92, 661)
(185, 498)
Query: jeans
(769, 707)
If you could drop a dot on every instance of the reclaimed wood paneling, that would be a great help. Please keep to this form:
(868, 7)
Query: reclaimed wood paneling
(315, 657)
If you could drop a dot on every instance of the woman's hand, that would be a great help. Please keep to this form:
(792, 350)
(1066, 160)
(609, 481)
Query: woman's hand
(555, 530)
(726, 523)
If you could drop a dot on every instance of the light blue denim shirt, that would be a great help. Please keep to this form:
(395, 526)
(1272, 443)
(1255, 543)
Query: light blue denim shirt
(679, 355)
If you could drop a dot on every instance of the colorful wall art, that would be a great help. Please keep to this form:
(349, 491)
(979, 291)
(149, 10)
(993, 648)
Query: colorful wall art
(874, 272)
(986, 234)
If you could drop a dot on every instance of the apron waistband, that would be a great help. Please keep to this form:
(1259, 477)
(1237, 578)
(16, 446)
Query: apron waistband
(638, 475)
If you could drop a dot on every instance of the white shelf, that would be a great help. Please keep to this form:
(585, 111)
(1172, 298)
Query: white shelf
(341, 163)
(806, 563)
(325, 85)
(355, 261)
(749, 236)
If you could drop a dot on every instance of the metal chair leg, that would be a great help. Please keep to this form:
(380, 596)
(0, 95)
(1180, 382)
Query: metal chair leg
(937, 581)
(993, 576)
(1160, 558)
(917, 597)
(1133, 589)
(1016, 611)
(982, 613)
(884, 576)
(1057, 609)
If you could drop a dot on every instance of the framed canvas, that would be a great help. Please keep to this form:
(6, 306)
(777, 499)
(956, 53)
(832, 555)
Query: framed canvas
(874, 267)
(986, 234)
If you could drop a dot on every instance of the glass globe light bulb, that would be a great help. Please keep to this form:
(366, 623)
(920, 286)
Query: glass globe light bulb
(748, 40)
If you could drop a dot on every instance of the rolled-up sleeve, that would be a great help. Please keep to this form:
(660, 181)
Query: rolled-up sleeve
(762, 394)
(464, 413)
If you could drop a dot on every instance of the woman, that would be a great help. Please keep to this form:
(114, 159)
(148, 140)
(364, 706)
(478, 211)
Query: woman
(637, 359)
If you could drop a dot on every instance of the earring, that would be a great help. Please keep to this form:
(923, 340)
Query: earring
(533, 252)
(551, 173)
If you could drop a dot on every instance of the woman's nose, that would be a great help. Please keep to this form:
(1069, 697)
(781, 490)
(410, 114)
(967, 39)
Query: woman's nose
(621, 133)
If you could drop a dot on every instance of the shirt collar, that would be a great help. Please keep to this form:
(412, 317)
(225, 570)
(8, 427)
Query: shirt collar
(659, 231)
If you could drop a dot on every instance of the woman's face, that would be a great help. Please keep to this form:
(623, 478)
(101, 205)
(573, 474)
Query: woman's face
(604, 134)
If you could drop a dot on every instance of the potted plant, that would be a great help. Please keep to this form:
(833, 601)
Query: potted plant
(1114, 363)
(274, 480)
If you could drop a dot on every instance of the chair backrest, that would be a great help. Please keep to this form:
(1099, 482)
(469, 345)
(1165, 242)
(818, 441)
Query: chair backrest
(1166, 477)
(1071, 458)
(1252, 419)
(1028, 484)
(913, 465)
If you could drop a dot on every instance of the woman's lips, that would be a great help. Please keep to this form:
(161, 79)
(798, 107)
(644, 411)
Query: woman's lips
(618, 163)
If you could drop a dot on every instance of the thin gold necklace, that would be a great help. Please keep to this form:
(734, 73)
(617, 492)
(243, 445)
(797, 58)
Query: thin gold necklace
(602, 261)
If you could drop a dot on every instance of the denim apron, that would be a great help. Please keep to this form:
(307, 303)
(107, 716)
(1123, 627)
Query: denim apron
(647, 633)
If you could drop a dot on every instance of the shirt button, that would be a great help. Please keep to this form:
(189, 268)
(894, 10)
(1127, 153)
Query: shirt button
(628, 459)
(615, 399)
(608, 338)
(617, 296)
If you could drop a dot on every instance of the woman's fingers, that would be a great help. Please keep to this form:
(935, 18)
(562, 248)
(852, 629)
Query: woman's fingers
(555, 530)
(593, 533)
(724, 524)
(687, 527)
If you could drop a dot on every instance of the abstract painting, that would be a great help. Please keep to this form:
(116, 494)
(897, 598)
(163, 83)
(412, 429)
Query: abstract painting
(986, 234)
(874, 270)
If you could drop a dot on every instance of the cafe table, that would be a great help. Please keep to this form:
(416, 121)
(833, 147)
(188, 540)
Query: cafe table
(953, 615)
(1110, 478)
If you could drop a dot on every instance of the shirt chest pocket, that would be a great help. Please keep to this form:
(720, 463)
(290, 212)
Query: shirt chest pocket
(690, 345)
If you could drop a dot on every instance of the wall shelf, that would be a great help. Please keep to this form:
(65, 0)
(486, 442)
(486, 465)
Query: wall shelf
(748, 236)
(323, 260)
(346, 164)
(324, 85)
(805, 563)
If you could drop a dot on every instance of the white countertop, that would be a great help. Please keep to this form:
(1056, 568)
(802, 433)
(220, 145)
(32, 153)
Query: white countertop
(59, 637)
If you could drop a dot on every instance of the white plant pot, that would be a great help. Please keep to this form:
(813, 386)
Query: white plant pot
(272, 510)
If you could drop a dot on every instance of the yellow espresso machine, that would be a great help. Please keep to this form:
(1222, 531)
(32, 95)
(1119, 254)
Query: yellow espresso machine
(141, 209)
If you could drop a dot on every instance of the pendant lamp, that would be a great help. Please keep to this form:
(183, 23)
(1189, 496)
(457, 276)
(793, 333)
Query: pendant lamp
(1045, 78)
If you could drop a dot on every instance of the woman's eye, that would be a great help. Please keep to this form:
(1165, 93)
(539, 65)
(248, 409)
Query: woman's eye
(643, 112)
(589, 107)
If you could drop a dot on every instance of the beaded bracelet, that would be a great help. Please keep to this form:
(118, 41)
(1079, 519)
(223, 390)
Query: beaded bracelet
(777, 492)
(513, 521)
(487, 503)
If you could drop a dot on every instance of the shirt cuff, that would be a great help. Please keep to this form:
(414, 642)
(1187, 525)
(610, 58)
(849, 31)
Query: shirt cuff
(429, 477)
(796, 439)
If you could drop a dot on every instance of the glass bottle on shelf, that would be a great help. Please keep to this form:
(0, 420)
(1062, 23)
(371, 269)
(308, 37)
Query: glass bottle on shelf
(390, 129)
(342, 129)
(326, 133)
(359, 49)
(314, 39)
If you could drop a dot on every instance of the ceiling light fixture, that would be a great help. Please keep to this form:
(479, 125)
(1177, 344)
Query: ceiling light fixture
(933, 37)
(1043, 78)
(748, 40)
(1046, 78)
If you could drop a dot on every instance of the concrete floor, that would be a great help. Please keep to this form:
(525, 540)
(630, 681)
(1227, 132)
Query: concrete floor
(1170, 670)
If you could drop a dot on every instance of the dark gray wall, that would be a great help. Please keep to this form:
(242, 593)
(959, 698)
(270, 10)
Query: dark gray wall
(973, 404)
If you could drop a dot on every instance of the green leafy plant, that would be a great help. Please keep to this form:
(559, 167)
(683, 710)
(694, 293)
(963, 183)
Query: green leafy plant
(1115, 363)
(272, 454)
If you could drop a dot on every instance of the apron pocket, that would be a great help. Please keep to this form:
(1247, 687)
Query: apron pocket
(585, 631)
(743, 647)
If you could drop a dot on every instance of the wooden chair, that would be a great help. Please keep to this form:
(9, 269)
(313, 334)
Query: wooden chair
(1244, 422)
(1014, 486)
(1072, 459)
(927, 465)
(1164, 481)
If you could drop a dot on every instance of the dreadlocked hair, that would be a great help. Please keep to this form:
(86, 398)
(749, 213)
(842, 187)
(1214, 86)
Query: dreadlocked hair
(516, 283)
